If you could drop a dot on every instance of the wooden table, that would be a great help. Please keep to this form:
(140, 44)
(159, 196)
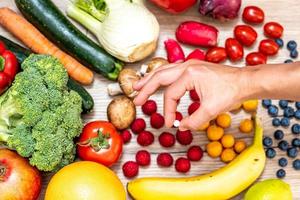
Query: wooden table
(284, 11)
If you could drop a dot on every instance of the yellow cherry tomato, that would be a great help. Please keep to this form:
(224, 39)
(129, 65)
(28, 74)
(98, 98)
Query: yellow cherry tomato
(224, 120)
(214, 149)
(85, 180)
(240, 146)
(204, 126)
(228, 155)
(250, 105)
(214, 132)
(246, 126)
(236, 108)
(227, 141)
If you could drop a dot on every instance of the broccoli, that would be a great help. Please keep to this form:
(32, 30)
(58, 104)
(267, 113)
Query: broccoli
(39, 116)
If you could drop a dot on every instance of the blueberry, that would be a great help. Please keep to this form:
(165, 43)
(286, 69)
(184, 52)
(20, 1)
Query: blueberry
(267, 141)
(291, 45)
(283, 145)
(280, 42)
(296, 129)
(289, 112)
(296, 164)
(297, 114)
(276, 122)
(297, 104)
(296, 142)
(294, 54)
(278, 134)
(280, 173)
(292, 152)
(285, 122)
(266, 103)
(288, 61)
(282, 162)
(283, 103)
(273, 110)
(270, 153)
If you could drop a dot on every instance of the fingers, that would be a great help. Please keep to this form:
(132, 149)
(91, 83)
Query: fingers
(171, 96)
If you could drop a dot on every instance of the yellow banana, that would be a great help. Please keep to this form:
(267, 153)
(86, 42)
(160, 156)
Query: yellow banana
(221, 184)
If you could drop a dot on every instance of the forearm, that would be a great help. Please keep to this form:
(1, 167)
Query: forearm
(278, 81)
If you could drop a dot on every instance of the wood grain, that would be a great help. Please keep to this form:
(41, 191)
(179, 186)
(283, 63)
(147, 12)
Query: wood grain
(285, 12)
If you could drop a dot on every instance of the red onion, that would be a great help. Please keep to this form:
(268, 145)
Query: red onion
(220, 9)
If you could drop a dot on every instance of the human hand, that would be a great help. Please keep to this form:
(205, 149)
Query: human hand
(219, 87)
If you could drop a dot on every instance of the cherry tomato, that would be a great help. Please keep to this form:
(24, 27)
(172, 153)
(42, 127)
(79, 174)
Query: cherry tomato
(234, 49)
(256, 58)
(273, 30)
(245, 34)
(216, 55)
(268, 47)
(100, 142)
(253, 14)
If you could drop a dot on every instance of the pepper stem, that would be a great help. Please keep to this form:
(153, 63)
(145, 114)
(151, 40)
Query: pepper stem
(2, 63)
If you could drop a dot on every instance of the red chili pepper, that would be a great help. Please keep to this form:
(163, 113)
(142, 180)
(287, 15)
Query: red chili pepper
(8, 67)
(174, 6)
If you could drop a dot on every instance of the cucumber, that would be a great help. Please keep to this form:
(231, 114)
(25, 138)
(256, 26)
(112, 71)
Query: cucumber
(46, 17)
(22, 53)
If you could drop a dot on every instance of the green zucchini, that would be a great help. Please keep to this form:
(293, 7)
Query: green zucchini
(22, 53)
(46, 17)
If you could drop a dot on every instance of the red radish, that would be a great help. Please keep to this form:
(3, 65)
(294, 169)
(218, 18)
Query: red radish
(184, 137)
(193, 107)
(149, 107)
(234, 49)
(256, 58)
(166, 139)
(197, 54)
(194, 96)
(268, 47)
(143, 158)
(164, 160)
(195, 153)
(145, 138)
(216, 55)
(174, 51)
(126, 136)
(157, 120)
(195, 33)
(138, 125)
(273, 30)
(178, 116)
(130, 169)
(182, 165)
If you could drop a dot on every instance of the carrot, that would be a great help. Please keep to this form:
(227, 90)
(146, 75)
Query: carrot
(38, 43)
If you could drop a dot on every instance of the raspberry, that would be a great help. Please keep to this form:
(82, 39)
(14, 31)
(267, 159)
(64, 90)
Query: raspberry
(184, 137)
(126, 136)
(149, 107)
(193, 107)
(130, 169)
(182, 165)
(194, 96)
(143, 158)
(195, 153)
(166, 139)
(157, 120)
(164, 160)
(138, 125)
(145, 138)
(179, 116)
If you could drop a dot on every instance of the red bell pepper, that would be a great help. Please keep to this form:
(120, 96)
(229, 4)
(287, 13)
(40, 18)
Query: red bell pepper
(8, 67)
(174, 6)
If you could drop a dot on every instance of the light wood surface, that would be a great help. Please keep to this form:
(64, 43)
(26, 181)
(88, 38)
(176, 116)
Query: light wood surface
(284, 11)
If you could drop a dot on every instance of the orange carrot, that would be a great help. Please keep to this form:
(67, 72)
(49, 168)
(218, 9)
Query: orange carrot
(38, 43)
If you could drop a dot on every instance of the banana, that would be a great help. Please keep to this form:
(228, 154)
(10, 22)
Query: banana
(220, 184)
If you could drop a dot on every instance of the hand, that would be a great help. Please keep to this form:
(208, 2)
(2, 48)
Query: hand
(219, 88)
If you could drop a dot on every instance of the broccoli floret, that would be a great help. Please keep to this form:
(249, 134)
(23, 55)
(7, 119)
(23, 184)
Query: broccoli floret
(39, 117)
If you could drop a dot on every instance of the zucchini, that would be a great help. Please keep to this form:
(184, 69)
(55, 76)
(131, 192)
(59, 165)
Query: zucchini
(22, 53)
(46, 17)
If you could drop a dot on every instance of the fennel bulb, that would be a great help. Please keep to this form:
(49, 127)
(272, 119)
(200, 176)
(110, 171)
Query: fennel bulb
(125, 28)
